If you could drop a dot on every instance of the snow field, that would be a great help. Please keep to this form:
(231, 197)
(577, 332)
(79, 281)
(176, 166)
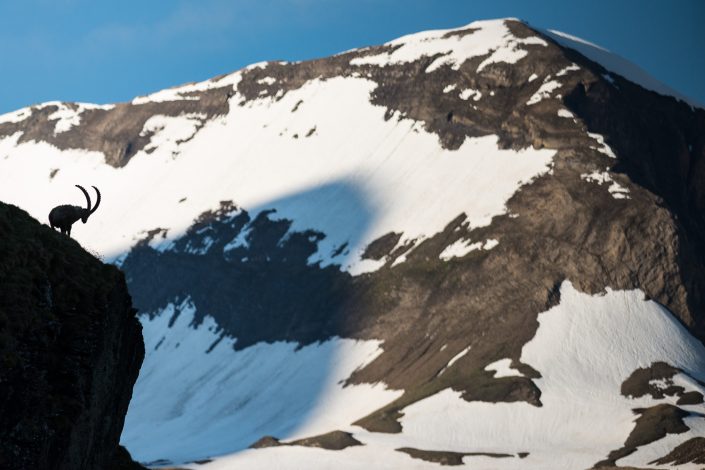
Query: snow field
(583, 417)
(393, 179)
(196, 397)
(583, 414)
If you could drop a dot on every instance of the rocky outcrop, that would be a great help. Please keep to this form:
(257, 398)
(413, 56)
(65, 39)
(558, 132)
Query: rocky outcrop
(70, 351)
(692, 450)
(334, 440)
(450, 458)
(657, 381)
(116, 131)
(651, 425)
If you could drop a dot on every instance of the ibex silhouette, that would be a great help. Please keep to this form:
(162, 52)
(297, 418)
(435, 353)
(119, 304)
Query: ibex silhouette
(65, 216)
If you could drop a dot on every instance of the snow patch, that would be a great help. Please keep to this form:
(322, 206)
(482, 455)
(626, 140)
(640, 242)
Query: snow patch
(240, 241)
(462, 247)
(399, 260)
(66, 118)
(510, 52)
(544, 91)
(267, 81)
(168, 132)
(568, 69)
(457, 249)
(489, 244)
(470, 93)
(615, 189)
(258, 65)
(365, 266)
(207, 242)
(454, 359)
(603, 147)
(503, 368)
(449, 88)
(565, 113)
(16, 116)
(69, 116)
(181, 93)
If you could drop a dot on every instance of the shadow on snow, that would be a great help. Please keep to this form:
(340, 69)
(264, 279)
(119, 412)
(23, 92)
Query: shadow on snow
(236, 314)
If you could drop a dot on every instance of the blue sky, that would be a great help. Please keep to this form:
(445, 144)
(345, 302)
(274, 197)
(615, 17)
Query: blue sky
(100, 51)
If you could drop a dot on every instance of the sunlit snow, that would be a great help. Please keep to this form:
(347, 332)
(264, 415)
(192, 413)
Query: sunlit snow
(615, 189)
(180, 93)
(503, 368)
(544, 91)
(602, 145)
(462, 247)
(470, 93)
(489, 37)
(583, 417)
(397, 178)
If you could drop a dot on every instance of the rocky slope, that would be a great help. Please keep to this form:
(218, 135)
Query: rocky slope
(70, 348)
(460, 246)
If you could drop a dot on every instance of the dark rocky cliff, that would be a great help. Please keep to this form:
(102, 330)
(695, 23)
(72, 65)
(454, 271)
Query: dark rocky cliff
(70, 351)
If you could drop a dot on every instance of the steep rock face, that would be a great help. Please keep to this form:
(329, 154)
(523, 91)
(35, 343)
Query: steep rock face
(70, 349)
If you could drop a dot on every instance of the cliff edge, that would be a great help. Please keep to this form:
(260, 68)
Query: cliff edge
(70, 351)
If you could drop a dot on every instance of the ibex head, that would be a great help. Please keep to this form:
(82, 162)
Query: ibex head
(64, 216)
(88, 211)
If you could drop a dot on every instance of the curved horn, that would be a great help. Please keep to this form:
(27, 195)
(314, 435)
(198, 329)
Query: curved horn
(97, 202)
(88, 199)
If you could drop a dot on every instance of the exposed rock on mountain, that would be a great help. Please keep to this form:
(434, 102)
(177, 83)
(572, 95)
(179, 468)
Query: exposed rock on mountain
(70, 348)
(692, 450)
(447, 458)
(334, 440)
(463, 243)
